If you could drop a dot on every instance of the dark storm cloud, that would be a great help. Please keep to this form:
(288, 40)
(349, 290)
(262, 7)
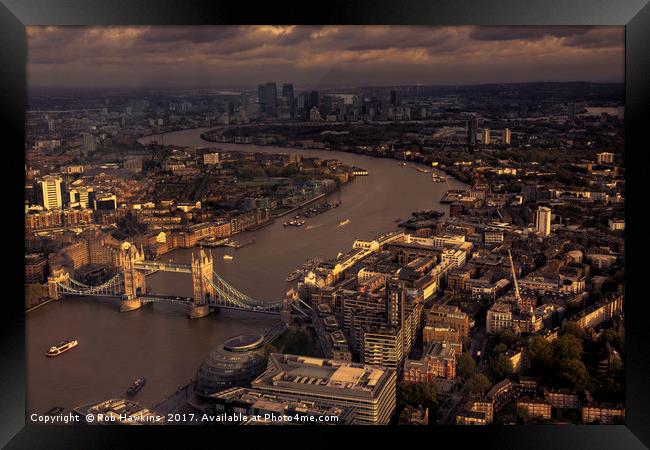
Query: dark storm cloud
(348, 55)
(578, 36)
(382, 38)
(598, 37)
(526, 33)
(196, 35)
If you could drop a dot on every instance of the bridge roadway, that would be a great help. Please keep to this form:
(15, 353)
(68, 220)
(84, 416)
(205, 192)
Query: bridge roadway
(163, 266)
(153, 298)
(225, 296)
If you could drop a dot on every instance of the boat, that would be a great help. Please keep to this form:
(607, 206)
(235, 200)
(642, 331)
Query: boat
(62, 347)
(293, 276)
(211, 242)
(344, 222)
(136, 386)
(227, 257)
(437, 179)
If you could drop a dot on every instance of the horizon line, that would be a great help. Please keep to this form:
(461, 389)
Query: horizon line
(327, 86)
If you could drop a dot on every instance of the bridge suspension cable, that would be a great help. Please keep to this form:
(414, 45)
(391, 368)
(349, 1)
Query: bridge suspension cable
(231, 294)
(74, 287)
(227, 296)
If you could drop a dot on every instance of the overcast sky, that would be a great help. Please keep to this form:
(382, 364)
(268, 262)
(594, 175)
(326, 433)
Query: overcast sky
(233, 56)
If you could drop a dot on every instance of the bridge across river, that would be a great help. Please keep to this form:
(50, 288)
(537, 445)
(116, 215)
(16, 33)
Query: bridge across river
(211, 291)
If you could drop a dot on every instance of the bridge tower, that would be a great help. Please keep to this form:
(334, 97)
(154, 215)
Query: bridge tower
(204, 293)
(57, 276)
(290, 298)
(134, 280)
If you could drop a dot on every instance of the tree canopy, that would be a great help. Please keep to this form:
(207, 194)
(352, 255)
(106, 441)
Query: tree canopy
(466, 365)
(499, 349)
(567, 347)
(574, 373)
(416, 395)
(506, 337)
(540, 353)
(500, 367)
(574, 329)
(478, 383)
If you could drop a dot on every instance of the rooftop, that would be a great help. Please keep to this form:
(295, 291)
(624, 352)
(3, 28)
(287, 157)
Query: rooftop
(301, 373)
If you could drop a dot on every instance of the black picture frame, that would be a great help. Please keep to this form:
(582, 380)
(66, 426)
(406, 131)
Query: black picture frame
(633, 14)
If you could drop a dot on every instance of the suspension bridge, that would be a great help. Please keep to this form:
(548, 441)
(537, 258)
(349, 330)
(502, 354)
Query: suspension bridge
(211, 291)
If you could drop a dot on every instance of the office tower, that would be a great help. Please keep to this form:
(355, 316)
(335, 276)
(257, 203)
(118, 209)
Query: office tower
(395, 302)
(271, 97)
(393, 98)
(287, 93)
(314, 100)
(82, 195)
(543, 221)
(89, 143)
(529, 192)
(261, 96)
(498, 137)
(472, 128)
(485, 136)
(314, 115)
(268, 98)
(287, 90)
(51, 192)
(370, 391)
(133, 164)
(604, 158)
(210, 158)
(302, 100)
(302, 103)
(572, 112)
(326, 105)
(106, 202)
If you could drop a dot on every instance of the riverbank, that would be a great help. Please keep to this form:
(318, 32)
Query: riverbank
(440, 171)
(261, 225)
(370, 205)
(149, 337)
(318, 197)
(34, 308)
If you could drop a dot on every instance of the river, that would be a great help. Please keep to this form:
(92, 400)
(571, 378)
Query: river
(159, 342)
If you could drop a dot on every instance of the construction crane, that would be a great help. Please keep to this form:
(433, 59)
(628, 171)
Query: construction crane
(514, 277)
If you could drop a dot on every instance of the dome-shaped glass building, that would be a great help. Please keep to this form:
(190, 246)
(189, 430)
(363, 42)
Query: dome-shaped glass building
(237, 362)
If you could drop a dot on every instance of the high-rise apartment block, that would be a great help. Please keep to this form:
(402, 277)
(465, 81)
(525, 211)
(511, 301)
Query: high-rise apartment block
(51, 192)
(543, 221)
